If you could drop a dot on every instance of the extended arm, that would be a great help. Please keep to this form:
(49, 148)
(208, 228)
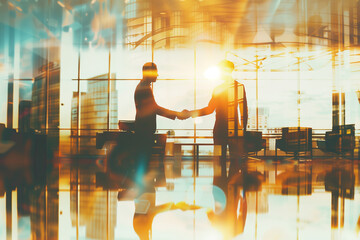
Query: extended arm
(204, 111)
(163, 111)
(166, 112)
(147, 106)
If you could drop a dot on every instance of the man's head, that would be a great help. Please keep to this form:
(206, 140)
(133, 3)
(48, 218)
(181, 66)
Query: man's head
(226, 68)
(150, 72)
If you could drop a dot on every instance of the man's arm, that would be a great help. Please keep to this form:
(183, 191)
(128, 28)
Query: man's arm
(210, 108)
(163, 111)
(166, 112)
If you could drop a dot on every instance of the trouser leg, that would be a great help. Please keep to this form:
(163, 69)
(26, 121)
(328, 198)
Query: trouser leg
(220, 179)
(238, 155)
(220, 161)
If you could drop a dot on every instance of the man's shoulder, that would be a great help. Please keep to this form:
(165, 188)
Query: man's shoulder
(142, 86)
(238, 83)
(142, 91)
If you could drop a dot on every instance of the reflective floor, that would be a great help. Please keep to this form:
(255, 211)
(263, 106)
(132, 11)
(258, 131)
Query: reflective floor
(266, 199)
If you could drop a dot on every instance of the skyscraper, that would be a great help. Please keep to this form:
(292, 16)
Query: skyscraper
(46, 99)
(98, 108)
(263, 115)
(74, 112)
(97, 207)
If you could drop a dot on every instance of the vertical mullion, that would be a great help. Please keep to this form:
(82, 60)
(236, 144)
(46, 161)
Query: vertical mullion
(108, 110)
(195, 90)
(77, 151)
(78, 101)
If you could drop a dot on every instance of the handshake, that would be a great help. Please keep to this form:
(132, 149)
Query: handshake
(184, 114)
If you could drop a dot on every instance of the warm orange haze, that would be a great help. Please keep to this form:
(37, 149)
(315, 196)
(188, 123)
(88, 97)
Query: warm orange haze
(179, 119)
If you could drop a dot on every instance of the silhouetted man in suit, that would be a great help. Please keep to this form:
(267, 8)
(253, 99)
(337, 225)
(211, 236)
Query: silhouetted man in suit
(145, 120)
(230, 104)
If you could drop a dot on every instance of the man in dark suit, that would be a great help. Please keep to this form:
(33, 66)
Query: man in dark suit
(145, 119)
(146, 106)
(229, 102)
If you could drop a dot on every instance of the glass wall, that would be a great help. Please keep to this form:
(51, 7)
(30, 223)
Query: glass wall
(70, 68)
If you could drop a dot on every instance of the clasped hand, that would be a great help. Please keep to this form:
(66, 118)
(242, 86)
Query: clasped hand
(184, 114)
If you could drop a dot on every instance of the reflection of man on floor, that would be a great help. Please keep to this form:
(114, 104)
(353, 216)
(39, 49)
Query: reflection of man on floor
(229, 102)
(230, 210)
(145, 120)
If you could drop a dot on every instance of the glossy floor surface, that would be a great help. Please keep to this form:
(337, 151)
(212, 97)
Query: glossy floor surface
(266, 199)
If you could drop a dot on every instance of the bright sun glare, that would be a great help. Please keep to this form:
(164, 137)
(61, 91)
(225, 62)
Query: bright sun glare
(212, 73)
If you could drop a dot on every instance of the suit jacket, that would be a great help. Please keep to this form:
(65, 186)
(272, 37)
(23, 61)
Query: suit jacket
(147, 109)
(228, 101)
